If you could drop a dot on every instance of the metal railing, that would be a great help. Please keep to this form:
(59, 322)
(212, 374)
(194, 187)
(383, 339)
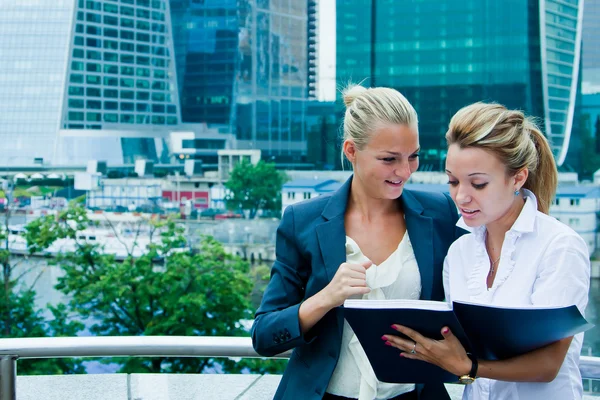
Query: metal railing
(147, 346)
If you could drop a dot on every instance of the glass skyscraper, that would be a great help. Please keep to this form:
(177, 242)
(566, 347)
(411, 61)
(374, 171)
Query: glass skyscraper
(84, 79)
(242, 68)
(445, 54)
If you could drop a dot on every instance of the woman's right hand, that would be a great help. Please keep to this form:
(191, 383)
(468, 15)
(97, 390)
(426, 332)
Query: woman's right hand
(349, 280)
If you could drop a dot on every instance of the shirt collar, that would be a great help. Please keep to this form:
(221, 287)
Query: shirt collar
(525, 221)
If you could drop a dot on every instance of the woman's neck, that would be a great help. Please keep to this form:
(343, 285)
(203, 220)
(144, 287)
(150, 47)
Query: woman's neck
(497, 230)
(370, 208)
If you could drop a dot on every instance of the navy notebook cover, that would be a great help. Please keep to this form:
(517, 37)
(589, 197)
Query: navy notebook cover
(488, 332)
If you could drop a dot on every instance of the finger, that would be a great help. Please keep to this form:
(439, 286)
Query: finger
(414, 335)
(412, 356)
(358, 290)
(357, 282)
(366, 264)
(356, 267)
(357, 275)
(399, 343)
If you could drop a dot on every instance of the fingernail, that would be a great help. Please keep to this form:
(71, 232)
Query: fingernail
(445, 330)
(383, 337)
(394, 327)
(388, 344)
(401, 354)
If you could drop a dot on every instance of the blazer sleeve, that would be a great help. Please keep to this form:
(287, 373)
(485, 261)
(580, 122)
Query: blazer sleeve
(276, 326)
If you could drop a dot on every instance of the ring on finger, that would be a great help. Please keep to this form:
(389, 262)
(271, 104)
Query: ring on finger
(414, 349)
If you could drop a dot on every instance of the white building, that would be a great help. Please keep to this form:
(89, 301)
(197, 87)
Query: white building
(305, 189)
(85, 80)
(579, 207)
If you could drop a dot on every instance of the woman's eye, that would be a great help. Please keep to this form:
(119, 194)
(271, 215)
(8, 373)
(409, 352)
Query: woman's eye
(453, 183)
(388, 159)
(413, 157)
(479, 186)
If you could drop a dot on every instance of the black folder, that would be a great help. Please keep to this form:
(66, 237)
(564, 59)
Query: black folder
(489, 332)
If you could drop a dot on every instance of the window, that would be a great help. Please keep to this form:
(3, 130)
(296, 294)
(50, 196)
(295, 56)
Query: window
(128, 35)
(111, 8)
(143, 96)
(111, 93)
(126, 46)
(126, 106)
(94, 105)
(78, 40)
(574, 202)
(94, 55)
(158, 108)
(111, 105)
(127, 11)
(109, 20)
(91, 67)
(306, 195)
(157, 120)
(142, 72)
(77, 53)
(76, 78)
(126, 70)
(76, 90)
(111, 69)
(291, 195)
(75, 116)
(127, 59)
(158, 97)
(126, 82)
(75, 103)
(111, 45)
(93, 92)
(142, 84)
(127, 94)
(141, 107)
(171, 120)
(111, 56)
(142, 37)
(92, 79)
(127, 118)
(109, 81)
(127, 23)
(110, 32)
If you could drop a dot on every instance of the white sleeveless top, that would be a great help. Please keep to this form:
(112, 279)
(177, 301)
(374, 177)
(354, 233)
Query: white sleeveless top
(396, 278)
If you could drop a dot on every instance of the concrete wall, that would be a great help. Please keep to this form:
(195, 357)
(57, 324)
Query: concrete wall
(157, 387)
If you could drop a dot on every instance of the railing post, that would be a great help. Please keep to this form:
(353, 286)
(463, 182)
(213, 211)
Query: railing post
(8, 378)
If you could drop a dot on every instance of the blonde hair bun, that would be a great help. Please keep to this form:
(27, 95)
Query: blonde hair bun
(351, 93)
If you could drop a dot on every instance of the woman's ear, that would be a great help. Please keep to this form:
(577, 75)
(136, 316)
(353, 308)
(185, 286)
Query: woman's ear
(350, 150)
(520, 178)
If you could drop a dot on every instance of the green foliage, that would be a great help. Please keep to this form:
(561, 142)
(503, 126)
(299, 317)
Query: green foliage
(254, 187)
(21, 319)
(170, 290)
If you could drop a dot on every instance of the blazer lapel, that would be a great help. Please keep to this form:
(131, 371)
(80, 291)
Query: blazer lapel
(331, 234)
(420, 232)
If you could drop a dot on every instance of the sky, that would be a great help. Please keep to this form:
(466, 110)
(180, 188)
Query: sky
(326, 50)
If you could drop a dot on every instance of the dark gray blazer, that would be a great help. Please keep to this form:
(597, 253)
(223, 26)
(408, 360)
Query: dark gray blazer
(310, 247)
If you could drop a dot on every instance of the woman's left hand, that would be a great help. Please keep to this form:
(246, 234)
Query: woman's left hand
(448, 353)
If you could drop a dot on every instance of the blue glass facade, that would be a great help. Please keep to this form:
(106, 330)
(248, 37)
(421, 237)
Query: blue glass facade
(444, 54)
(242, 65)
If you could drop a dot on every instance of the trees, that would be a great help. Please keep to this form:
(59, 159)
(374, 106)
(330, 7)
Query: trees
(168, 290)
(21, 319)
(254, 187)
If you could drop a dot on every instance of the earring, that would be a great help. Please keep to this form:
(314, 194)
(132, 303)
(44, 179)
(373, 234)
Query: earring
(517, 192)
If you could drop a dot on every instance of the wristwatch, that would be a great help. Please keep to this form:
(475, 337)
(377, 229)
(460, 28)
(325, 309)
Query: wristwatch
(470, 377)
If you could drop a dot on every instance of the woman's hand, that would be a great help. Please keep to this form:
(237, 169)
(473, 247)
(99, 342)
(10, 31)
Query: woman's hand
(349, 280)
(448, 353)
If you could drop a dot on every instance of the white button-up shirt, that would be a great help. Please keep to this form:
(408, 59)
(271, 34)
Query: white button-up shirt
(542, 263)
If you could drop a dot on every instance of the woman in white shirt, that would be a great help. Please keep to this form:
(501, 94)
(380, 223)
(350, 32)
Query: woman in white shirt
(503, 177)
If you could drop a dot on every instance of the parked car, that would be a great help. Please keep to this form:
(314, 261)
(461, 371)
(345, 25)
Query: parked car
(228, 215)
